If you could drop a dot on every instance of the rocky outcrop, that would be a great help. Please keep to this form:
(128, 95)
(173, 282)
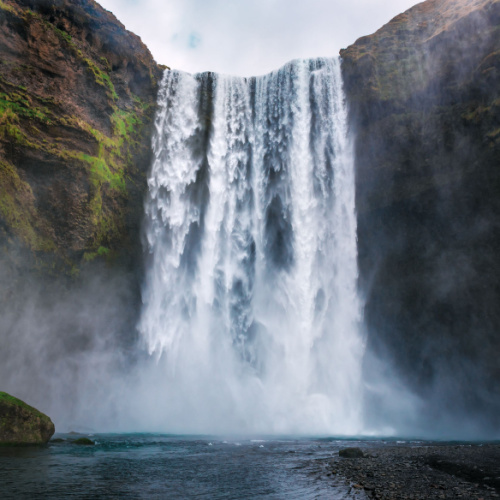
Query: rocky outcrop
(21, 424)
(424, 97)
(77, 98)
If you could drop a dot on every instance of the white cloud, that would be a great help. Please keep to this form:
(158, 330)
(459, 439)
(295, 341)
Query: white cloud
(249, 37)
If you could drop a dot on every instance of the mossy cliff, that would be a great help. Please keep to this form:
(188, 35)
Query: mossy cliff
(77, 99)
(424, 98)
(21, 424)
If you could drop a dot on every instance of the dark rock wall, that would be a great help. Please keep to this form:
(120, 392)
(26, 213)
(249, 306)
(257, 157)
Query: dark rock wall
(77, 99)
(424, 97)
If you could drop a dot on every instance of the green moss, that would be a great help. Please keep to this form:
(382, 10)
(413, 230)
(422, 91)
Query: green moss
(62, 34)
(8, 8)
(100, 173)
(20, 105)
(18, 210)
(12, 401)
(105, 63)
(101, 252)
(101, 78)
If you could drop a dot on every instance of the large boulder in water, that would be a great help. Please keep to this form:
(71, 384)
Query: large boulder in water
(21, 423)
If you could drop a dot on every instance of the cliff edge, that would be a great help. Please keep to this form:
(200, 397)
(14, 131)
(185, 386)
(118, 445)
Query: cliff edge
(424, 98)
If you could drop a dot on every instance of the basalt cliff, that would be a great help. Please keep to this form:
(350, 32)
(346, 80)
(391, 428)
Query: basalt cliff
(424, 97)
(77, 97)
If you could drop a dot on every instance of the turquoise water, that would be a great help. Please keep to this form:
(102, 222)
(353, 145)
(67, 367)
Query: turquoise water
(160, 466)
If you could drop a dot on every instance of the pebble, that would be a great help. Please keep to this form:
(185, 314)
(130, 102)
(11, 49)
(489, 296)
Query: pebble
(422, 472)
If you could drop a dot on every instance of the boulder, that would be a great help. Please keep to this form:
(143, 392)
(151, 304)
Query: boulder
(351, 453)
(21, 424)
(84, 441)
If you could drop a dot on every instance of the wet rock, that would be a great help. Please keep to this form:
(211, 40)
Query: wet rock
(424, 472)
(84, 442)
(351, 453)
(79, 97)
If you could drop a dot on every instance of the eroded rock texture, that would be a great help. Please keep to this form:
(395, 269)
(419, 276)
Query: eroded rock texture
(77, 98)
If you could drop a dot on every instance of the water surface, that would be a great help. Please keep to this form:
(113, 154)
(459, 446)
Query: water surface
(161, 466)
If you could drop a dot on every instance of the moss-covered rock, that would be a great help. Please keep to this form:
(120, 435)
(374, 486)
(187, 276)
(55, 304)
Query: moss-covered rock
(77, 98)
(21, 424)
(84, 442)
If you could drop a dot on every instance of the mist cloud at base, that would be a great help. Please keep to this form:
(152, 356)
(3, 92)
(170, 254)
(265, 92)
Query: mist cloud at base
(74, 353)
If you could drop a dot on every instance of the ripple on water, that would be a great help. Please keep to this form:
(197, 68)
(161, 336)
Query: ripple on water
(152, 466)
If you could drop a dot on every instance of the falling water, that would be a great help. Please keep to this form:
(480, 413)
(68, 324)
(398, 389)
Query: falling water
(250, 300)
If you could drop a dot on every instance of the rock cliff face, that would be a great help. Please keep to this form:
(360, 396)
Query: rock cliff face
(424, 95)
(77, 98)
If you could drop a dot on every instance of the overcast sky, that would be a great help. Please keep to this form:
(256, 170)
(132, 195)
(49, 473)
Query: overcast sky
(249, 37)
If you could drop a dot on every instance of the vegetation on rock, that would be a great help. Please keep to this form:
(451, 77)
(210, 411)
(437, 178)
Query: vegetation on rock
(77, 98)
(21, 424)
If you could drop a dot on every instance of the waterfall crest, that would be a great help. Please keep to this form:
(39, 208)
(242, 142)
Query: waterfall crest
(250, 299)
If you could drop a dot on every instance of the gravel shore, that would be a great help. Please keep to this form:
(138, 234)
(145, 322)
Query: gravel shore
(422, 472)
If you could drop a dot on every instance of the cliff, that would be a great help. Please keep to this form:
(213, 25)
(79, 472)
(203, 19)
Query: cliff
(77, 99)
(424, 97)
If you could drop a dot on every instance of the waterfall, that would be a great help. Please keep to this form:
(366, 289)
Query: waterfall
(250, 300)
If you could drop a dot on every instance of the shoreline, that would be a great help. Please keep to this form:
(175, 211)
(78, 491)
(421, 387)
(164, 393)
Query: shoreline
(420, 472)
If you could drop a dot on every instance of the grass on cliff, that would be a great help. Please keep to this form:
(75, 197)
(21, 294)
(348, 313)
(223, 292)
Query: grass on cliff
(12, 401)
(17, 208)
(20, 113)
(6, 7)
(30, 122)
(20, 105)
